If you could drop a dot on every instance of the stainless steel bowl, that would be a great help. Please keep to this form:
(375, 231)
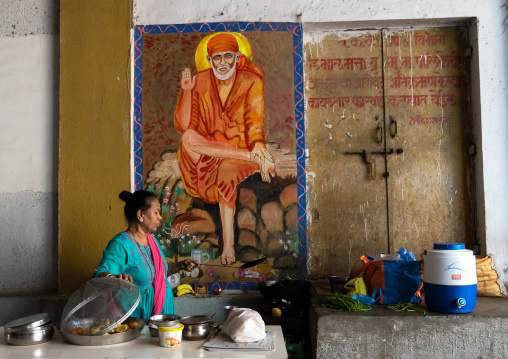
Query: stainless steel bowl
(165, 320)
(154, 332)
(29, 336)
(197, 327)
(196, 331)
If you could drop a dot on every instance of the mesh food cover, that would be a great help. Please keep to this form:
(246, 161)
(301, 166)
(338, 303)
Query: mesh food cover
(99, 305)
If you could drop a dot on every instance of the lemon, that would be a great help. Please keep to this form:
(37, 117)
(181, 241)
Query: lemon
(276, 312)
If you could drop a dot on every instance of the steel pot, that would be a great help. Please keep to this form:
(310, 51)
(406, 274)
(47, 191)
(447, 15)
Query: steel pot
(34, 329)
(197, 331)
(197, 327)
(29, 336)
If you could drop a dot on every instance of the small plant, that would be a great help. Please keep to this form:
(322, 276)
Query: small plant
(173, 239)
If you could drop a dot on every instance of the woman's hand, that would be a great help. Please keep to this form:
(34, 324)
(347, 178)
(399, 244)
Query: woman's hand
(189, 265)
(123, 276)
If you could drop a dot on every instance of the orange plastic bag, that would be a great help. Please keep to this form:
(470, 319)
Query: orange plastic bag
(400, 281)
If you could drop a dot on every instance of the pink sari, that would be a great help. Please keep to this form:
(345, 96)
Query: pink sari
(159, 282)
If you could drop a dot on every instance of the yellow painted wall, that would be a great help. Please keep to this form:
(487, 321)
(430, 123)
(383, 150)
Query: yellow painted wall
(95, 131)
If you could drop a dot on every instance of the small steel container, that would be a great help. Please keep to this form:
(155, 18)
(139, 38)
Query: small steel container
(197, 327)
(162, 320)
(34, 329)
(196, 331)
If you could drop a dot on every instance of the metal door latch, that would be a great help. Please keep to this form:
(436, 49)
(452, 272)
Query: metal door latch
(367, 156)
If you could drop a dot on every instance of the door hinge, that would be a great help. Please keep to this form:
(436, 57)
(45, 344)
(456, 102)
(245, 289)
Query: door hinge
(472, 149)
(468, 52)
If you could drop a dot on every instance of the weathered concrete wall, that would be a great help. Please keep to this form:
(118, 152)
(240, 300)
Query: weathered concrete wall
(489, 82)
(211, 304)
(28, 144)
(29, 57)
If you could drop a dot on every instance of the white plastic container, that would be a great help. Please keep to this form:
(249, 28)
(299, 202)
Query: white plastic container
(449, 278)
(170, 337)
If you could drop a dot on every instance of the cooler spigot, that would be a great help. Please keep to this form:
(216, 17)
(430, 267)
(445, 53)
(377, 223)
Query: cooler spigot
(460, 302)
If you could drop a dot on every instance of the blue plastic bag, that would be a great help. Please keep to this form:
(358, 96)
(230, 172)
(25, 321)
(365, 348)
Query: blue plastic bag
(365, 299)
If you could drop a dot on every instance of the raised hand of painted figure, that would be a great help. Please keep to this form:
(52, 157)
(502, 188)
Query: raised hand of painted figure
(188, 82)
(183, 111)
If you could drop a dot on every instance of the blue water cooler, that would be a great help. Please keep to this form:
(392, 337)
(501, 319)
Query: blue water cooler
(449, 278)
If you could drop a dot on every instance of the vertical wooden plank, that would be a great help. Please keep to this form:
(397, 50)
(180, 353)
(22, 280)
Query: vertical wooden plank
(430, 194)
(346, 197)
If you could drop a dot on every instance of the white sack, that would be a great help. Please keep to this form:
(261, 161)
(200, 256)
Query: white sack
(244, 325)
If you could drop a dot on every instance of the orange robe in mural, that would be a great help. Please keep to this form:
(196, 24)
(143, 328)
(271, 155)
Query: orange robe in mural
(240, 122)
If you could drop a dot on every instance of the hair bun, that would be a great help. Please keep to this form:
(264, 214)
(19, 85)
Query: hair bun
(125, 196)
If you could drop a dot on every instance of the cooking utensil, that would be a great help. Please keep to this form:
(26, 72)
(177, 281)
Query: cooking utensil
(197, 327)
(108, 301)
(165, 320)
(252, 263)
(104, 339)
(162, 320)
(198, 331)
(195, 319)
(31, 321)
(31, 330)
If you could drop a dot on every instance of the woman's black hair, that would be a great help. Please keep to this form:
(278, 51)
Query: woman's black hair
(139, 200)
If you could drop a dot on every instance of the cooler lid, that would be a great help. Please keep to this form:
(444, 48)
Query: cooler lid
(449, 246)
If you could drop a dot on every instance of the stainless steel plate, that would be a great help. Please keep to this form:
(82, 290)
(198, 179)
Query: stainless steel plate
(165, 320)
(103, 339)
(195, 319)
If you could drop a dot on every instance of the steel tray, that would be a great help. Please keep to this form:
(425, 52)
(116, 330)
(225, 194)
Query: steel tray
(103, 339)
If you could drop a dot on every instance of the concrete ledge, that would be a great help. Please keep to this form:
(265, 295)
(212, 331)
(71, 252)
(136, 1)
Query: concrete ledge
(210, 304)
(384, 333)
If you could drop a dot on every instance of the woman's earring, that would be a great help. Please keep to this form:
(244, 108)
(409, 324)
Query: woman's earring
(141, 219)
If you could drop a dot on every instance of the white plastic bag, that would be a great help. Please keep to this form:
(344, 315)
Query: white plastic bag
(244, 325)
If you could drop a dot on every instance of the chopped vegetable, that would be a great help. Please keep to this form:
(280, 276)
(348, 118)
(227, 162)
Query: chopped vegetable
(342, 302)
(409, 307)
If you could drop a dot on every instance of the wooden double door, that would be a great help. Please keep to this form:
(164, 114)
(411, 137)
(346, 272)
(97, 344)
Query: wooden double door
(390, 162)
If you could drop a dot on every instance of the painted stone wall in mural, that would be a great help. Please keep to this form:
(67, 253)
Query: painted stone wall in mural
(219, 148)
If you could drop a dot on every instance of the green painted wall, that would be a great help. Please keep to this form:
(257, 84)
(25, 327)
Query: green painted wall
(95, 131)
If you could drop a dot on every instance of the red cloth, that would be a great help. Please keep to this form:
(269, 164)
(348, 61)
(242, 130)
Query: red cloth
(159, 282)
(221, 43)
(245, 64)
